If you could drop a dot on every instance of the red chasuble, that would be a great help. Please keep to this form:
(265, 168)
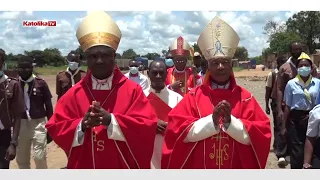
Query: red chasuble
(219, 151)
(186, 76)
(133, 112)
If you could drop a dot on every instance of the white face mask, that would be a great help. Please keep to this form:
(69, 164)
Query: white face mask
(73, 66)
(134, 70)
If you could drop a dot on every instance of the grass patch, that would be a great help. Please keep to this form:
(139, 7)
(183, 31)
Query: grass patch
(237, 69)
(52, 70)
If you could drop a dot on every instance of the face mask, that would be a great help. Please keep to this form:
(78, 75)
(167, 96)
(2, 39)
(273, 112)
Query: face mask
(304, 71)
(1, 73)
(169, 62)
(133, 70)
(73, 66)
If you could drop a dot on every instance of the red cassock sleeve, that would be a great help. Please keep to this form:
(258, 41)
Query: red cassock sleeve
(257, 125)
(138, 126)
(64, 121)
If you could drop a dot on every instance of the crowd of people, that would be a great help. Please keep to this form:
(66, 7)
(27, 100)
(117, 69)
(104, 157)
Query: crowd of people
(178, 117)
(294, 88)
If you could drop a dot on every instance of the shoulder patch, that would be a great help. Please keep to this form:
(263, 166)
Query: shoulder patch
(12, 78)
(39, 79)
(61, 72)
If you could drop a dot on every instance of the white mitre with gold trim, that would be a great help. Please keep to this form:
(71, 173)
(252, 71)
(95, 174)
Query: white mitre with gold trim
(98, 28)
(180, 47)
(218, 39)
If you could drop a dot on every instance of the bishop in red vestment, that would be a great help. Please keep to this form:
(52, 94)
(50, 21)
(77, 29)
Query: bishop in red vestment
(180, 78)
(104, 121)
(218, 125)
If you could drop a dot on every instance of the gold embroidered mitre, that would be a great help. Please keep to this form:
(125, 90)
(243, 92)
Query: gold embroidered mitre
(98, 28)
(218, 39)
(180, 47)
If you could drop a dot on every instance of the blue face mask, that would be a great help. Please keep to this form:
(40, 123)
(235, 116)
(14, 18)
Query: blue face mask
(133, 70)
(169, 62)
(1, 73)
(304, 71)
(73, 66)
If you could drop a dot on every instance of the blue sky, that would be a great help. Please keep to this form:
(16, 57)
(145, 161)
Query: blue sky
(148, 31)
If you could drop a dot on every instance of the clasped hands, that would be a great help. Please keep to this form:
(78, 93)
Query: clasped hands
(222, 110)
(95, 116)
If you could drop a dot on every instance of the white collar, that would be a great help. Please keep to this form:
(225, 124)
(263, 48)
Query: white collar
(31, 78)
(216, 86)
(75, 72)
(104, 84)
(165, 89)
(72, 75)
(290, 61)
(176, 70)
(3, 78)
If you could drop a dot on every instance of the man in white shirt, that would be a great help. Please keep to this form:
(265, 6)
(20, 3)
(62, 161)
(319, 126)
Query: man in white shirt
(158, 74)
(136, 76)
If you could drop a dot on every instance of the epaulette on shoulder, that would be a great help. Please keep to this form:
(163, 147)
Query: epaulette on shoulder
(12, 79)
(39, 78)
(61, 72)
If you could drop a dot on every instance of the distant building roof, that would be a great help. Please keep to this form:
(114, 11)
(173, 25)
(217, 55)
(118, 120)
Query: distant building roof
(244, 62)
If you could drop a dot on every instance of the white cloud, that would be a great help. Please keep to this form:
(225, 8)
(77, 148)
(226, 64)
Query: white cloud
(290, 14)
(9, 15)
(13, 15)
(142, 31)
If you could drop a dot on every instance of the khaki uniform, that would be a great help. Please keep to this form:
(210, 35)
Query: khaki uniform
(64, 81)
(32, 130)
(11, 105)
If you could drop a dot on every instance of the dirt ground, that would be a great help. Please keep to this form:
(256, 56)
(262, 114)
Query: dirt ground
(252, 80)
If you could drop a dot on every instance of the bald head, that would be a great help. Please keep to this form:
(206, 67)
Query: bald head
(73, 56)
(295, 50)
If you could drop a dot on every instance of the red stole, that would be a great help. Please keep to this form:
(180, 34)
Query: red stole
(186, 77)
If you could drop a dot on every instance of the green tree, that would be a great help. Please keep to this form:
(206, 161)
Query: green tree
(273, 27)
(280, 41)
(81, 52)
(118, 56)
(53, 57)
(164, 52)
(152, 56)
(307, 25)
(241, 53)
(196, 48)
(258, 59)
(128, 54)
(38, 56)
